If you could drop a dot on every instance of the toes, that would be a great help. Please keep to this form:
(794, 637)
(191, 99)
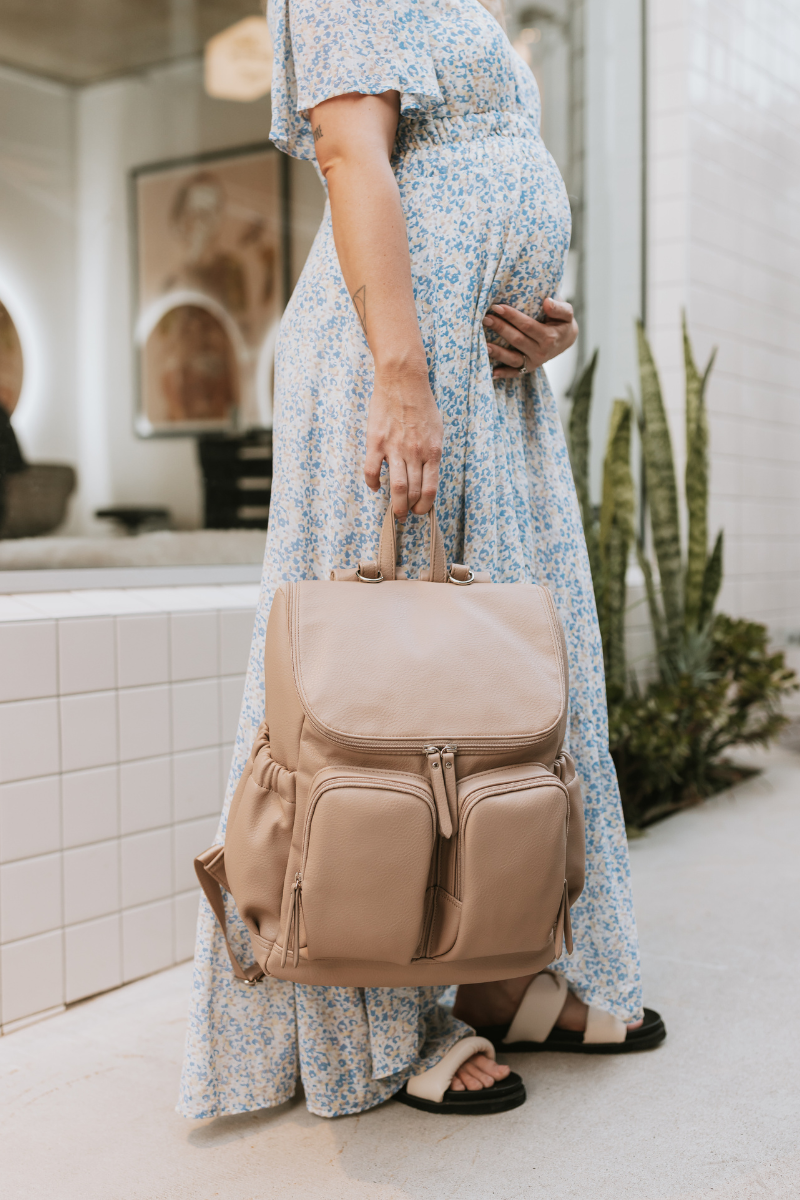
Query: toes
(489, 1067)
(478, 1072)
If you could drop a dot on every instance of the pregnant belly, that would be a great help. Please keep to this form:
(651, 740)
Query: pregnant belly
(488, 219)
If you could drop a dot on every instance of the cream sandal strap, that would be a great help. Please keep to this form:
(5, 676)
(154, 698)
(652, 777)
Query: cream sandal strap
(433, 1083)
(603, 1027)
(539, 1010)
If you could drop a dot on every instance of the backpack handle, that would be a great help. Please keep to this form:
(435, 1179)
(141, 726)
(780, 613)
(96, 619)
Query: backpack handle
(387, 551)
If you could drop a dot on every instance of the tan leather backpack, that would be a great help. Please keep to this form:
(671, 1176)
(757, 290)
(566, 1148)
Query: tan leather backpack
(407, 815)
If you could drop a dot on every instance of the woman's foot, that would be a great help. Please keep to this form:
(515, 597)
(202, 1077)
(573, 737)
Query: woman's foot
(490, 1004)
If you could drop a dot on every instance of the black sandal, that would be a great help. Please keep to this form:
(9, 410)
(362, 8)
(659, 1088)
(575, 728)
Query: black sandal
(534, 1026)
(431, 1091)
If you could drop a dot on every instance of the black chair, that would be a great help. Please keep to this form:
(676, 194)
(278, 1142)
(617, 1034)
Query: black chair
(33, 498)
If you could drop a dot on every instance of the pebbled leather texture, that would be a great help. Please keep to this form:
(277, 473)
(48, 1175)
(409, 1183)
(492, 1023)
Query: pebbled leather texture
(407, 815)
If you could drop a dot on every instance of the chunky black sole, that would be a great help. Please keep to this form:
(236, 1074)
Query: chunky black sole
(651, 1033)
(504, 1095)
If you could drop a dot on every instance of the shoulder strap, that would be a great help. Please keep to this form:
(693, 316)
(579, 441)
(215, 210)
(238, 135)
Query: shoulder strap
(210, 860)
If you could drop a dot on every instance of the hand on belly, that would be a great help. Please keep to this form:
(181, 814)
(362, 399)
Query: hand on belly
(531, 343)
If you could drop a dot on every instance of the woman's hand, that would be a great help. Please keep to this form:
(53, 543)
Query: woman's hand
(405, 430)
(530, 343)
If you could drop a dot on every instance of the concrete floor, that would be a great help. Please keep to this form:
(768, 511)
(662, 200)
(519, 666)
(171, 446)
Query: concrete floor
(86, 1109)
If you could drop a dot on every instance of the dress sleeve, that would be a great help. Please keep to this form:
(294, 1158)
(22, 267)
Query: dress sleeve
(339, 46)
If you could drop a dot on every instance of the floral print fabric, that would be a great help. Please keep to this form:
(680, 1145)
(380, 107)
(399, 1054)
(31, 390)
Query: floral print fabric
(488, 220)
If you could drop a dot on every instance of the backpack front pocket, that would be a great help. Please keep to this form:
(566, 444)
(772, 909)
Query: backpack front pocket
(367, 853)
(507, 870)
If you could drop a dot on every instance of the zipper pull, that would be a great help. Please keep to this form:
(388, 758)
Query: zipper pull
(439, 790)
(449, 768)
(293, 928)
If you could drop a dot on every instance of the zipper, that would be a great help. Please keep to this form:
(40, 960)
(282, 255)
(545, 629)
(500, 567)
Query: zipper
(293, 928)
(442, 770)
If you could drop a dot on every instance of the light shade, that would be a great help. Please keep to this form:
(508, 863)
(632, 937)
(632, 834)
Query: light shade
(238, 61)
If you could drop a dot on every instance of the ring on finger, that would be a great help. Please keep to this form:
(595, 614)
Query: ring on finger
(523, 370)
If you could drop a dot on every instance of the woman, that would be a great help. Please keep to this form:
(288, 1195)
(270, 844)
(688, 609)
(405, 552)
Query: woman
(444, 206)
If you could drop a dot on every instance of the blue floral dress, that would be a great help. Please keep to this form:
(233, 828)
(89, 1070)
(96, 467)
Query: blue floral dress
(488, 220)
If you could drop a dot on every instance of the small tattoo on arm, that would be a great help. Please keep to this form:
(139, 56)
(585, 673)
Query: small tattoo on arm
(360, 301)
(317, 133)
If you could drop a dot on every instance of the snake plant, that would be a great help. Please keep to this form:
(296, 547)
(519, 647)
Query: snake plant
(682, 602)
(688, 589)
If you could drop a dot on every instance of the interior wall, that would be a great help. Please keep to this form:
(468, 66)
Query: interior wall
(724, 244)
(37, 257)
(129, 122)
(65, 268)
(612, 263)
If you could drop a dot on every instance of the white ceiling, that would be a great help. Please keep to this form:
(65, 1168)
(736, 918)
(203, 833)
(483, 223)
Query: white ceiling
(83, 41)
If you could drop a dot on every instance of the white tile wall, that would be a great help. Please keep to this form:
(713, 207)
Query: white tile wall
(91, 881)
(147, 939)
(28, 657)
(146, 867)
(145, 789)
(195, 714)
(30, 818)
(194, 645)
(196, 783)
(143, 650)
(90, 806)
(92, 957)
(724, 136)
(88, 730)
(117, 712)
(30, 897)
(32, 975)
(87, 660)
(144, 723)
(29, 739)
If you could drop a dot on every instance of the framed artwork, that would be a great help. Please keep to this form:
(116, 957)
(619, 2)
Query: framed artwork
(211, 267)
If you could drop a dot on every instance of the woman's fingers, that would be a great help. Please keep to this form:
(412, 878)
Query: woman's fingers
(514, 336)
(398, 483)
(507, 355)
(373, 461)
(414, 477)
(558, 310)
(519, 321)
(430, 482)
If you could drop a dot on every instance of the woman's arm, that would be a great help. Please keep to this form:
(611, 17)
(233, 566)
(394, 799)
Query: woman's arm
(354, 136)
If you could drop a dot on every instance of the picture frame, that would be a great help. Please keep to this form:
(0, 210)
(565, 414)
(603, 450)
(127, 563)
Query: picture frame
(211, 272)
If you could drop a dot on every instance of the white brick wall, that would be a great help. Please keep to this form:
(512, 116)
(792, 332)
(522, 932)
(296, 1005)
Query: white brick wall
(724, 134)
(118, 711)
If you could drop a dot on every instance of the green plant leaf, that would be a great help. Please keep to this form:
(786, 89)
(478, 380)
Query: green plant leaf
(656, 615)
(616, 534)
(712, 582)
(579, 457)
(696, 482)
(662, 492)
